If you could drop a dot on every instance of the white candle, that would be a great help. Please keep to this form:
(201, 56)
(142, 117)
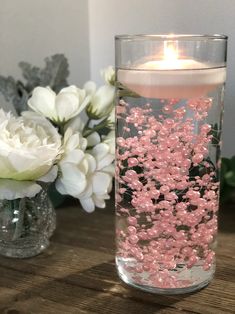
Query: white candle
(172, 77)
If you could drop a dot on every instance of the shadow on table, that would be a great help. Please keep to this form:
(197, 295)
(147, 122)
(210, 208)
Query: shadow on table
(94, 290)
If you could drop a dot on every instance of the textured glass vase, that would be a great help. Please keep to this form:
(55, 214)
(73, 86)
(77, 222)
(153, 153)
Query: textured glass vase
(26, 225)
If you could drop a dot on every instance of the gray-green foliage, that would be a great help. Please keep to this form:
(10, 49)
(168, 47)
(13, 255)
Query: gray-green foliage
(227, 178)
(54, 74)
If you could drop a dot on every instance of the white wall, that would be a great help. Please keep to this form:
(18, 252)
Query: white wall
(31, 30)
(110, 17)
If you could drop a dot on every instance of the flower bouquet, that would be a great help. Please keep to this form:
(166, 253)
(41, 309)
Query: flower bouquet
(66, 138)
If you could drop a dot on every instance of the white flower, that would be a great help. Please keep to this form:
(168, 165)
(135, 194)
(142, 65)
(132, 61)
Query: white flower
(110, 141)
(73, 165)
(99, 185)
(72, 142)
(77, 124)
(12, 189)
(99, 182)
(73, 178)
(108, 75)
(104, 152)
(102, 100)
(97, 191)
(29, 147)
(93, 139)
(59, 108)
(86, 176)
(106, 162)
(111, 118)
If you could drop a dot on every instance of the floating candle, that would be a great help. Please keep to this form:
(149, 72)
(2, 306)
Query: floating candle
(172, 77)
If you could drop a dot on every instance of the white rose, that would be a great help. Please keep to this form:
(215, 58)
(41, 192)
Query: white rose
(109, 75)
(102, 100)
(29, 147)
(59, 108)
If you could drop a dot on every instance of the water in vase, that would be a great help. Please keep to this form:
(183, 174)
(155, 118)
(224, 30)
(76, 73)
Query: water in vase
(167, 186)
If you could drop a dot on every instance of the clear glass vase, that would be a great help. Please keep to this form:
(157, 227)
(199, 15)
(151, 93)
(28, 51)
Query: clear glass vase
(26, 225)
(169, 116)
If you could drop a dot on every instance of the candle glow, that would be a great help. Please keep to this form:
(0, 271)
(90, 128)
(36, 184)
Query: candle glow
(169, 59)
(171, 50)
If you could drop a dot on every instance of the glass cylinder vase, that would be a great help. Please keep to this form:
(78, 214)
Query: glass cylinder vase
(170, 91)
(26, 224)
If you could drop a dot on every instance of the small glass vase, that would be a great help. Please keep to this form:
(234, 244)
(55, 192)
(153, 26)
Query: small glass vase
(26, 225)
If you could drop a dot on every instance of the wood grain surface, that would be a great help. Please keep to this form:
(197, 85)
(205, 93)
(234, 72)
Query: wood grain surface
(77, 273)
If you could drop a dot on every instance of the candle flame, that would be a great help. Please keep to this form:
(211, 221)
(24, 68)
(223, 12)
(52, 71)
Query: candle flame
(171, 50)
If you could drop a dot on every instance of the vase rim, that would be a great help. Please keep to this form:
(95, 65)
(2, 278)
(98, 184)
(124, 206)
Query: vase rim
(160, 37)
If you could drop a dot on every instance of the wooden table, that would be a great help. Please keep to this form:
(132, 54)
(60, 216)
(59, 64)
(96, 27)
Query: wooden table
(77, 274)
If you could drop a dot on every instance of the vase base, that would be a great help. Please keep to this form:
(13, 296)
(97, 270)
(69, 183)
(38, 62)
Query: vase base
(26, 250)
(165, 291)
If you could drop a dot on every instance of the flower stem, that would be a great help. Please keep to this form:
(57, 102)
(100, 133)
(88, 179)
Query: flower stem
(86, 127)
(18, 205)
(96, 128)
(61, 128)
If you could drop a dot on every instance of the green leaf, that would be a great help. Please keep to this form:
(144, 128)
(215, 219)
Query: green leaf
(56, 198)
(226, 162)
(230, 178)
(232, 164)
(122, 91)
(223, 170)
(226, 193)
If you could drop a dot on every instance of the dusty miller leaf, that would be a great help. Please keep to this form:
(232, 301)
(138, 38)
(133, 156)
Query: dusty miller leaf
(8, 87)
(14, 91)
(20, 103)
(31, 74)
(56, 72)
